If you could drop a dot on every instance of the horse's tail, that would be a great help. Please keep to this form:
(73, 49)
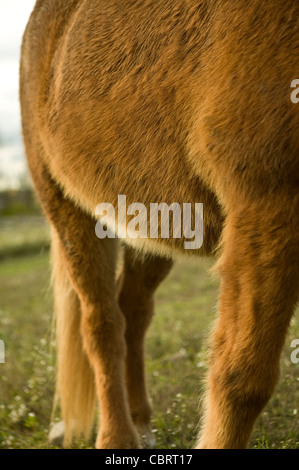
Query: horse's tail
(75, 387)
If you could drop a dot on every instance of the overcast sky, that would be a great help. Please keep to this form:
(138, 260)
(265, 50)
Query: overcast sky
(14, 15)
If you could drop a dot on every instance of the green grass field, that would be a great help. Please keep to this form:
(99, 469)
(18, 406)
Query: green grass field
(176, 350)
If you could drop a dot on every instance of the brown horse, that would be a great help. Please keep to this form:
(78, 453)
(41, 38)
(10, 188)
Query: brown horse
(173, 101)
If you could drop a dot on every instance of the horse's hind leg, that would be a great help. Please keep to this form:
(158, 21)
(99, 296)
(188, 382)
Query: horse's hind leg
(259, 272)
(141, 277)
(90, 265)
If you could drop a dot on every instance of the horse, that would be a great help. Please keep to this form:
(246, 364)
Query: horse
(173, 102)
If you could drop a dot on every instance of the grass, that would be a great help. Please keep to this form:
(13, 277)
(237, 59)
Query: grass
(22, 235)
(176, 351)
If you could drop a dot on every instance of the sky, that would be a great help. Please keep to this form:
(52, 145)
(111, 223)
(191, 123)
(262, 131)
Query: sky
(14, 15)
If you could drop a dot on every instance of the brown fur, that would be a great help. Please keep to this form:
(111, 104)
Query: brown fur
(173, 101)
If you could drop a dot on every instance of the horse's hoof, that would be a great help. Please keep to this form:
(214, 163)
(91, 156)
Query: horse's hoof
(56, 434)
(125, 439)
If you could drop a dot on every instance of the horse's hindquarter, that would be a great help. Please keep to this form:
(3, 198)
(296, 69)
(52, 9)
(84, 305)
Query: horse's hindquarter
(115, 105)
(150, 102)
